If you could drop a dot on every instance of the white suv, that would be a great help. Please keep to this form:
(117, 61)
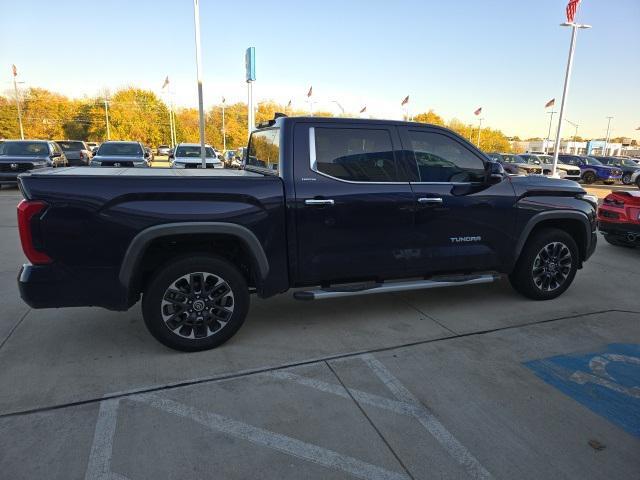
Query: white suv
(187, 155)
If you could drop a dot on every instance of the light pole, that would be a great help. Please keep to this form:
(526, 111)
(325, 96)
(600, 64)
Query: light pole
(15, 89)
(479, 129)
(224, 136)
(196, 21)
(546, 144)
(171, 118)
(606, 140)
(574, 135)
(565, 90)
(106, 116)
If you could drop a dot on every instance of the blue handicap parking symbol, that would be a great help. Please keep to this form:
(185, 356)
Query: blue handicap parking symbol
(607, 381)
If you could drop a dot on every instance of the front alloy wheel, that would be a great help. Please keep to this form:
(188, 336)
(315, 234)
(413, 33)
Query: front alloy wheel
(196, 302)
(552, 266)
(547, 264)
(626, 179)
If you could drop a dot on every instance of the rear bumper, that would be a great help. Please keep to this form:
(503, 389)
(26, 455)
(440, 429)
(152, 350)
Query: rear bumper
(54, 286)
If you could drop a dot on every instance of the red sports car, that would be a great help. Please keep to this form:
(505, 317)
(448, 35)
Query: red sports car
(619, 218)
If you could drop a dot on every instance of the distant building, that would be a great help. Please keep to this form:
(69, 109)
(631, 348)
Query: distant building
(593, 147)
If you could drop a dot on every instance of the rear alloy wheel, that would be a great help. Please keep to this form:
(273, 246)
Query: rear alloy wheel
(589, 177)
(547, 265)
(626, 179)
(196, 303)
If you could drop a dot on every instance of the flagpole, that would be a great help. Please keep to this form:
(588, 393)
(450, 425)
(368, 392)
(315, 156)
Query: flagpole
(565, 91)
(479, 129)
(546, 143)
(15, 89)
(606, 140)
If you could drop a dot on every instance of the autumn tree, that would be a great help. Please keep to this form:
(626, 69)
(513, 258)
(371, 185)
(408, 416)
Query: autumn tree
(429, 117)
(9, 126)
(134, 114)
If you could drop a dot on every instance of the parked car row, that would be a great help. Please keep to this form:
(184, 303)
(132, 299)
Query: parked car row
(585, 168)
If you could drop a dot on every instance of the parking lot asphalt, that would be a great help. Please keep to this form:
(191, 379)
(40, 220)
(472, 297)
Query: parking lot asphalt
(471, 382)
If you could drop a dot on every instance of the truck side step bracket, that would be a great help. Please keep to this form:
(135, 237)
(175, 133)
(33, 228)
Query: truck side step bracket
(389, 287)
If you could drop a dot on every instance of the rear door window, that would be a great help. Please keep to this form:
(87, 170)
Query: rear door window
(264, 150)
(354, 154)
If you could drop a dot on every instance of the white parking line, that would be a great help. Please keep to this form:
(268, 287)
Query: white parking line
(297, 448)
(428, 420)
(360, 396)
(99, 466)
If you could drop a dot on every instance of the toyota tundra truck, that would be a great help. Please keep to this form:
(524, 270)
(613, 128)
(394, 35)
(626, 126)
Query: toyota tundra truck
(328, 207)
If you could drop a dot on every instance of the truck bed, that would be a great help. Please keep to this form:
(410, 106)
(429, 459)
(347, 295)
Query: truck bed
(144, 172)
(93, 214)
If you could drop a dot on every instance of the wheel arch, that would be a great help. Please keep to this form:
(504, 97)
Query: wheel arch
(129, 274)
(573, 222)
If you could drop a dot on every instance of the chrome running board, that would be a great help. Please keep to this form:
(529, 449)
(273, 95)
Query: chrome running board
(388, 287)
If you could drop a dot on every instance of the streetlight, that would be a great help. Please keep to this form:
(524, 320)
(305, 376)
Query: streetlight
(606, 140)
(196, 21)
(565, 90)
(15, 89)
(224, 135)
(575, 134)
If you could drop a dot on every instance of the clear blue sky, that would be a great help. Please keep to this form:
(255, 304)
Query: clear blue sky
(451, 56)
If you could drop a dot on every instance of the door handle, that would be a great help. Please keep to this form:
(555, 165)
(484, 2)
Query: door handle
(429, 200)
(314, 201)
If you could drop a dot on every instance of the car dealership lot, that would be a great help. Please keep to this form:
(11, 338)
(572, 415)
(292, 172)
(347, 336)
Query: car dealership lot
(456, 383)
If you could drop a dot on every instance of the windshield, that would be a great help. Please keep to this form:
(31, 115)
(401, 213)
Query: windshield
(628, 163)
(530, 159)
(70, 146)
(24, 148)
(591, 161)
(193, 152)
(545, 158)
(120, 149)
(511, 158)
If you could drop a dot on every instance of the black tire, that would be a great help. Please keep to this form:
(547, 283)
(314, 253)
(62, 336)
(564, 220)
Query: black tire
(626, 179)
(531, 266)
(589, 177)
(201, 327)
(609, 183)
(618, 242)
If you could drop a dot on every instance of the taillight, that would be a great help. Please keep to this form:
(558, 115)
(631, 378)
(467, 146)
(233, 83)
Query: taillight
(27, 210)
(613, 202)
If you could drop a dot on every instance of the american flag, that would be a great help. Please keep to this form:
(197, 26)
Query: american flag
(310, 92)
(289, 104)
(15, 70)
(224, 100)
(364, 109)
(572, 6)
(550, 103)
(405, 101)
(478, 111)
(166, 82)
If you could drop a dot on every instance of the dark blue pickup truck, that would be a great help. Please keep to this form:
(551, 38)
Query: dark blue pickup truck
(331, 207)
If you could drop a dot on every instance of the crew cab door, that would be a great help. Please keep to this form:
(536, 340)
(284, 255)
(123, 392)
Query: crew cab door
(354, 206)
(462, 222)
